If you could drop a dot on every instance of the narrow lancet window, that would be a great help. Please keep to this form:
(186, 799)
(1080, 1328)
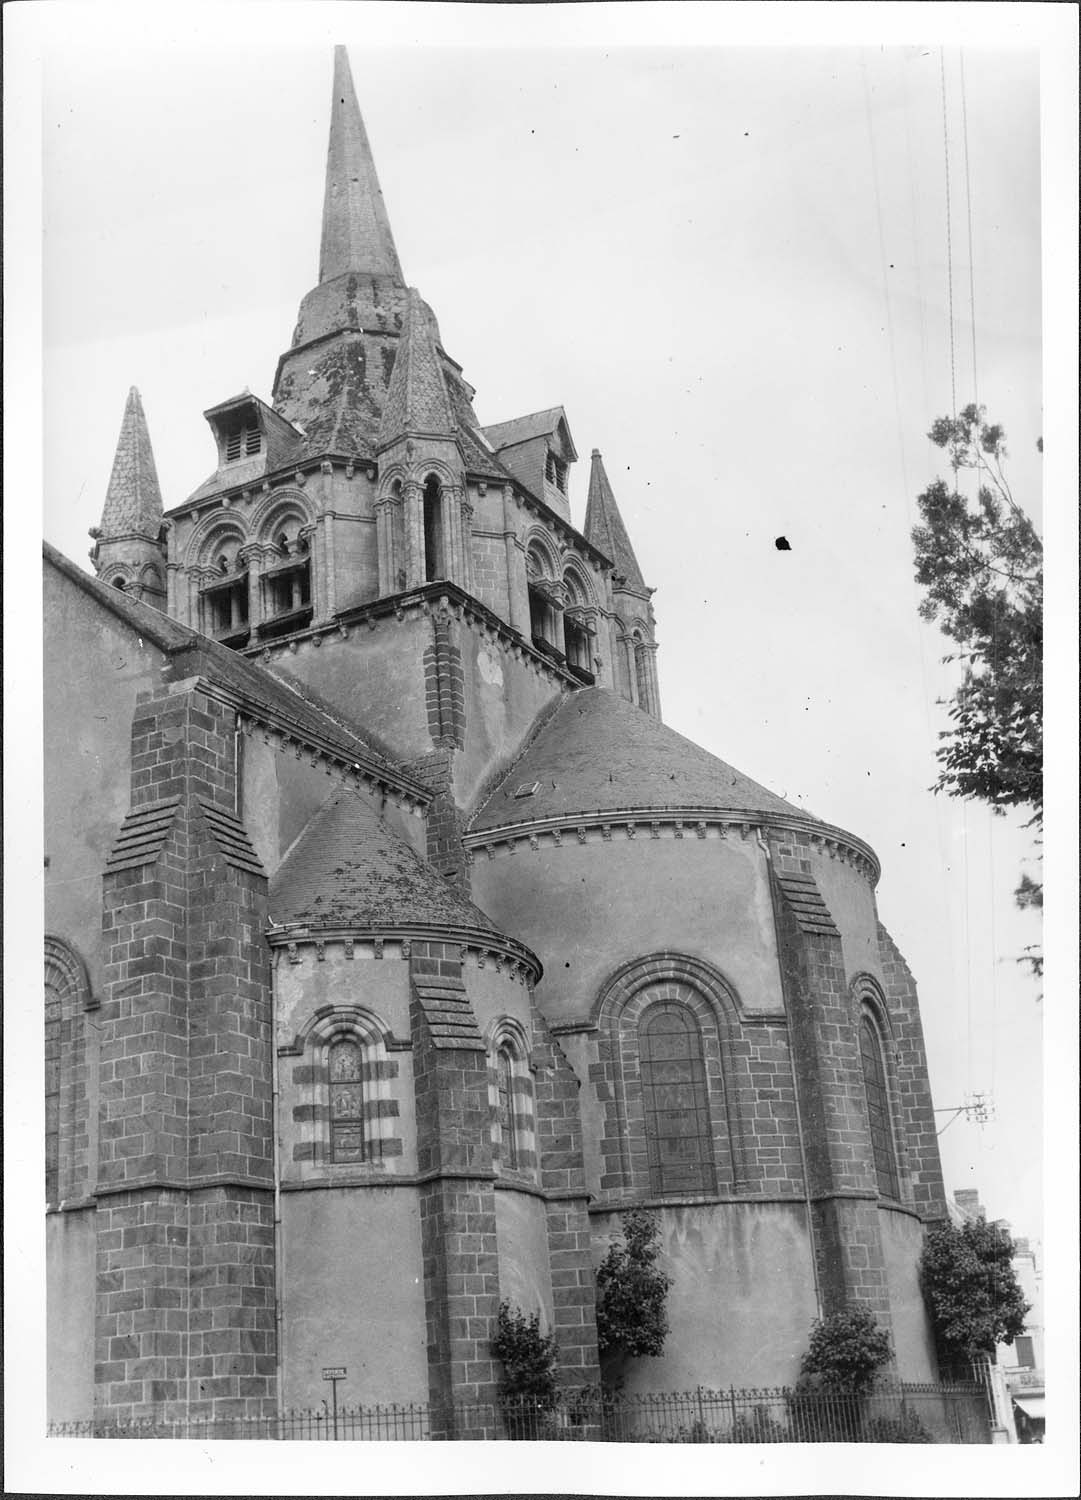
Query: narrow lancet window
(878, 1110)
(346, 1101)
(508, 1134)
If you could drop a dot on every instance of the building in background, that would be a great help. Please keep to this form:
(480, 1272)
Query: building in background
(1018, 1373)
(396, 947)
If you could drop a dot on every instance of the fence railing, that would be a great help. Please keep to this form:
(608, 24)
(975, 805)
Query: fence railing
(894, 1414)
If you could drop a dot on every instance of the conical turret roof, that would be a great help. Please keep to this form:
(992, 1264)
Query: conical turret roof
(133, 499)
(599, 753)
(605, 529)
(417, 401)
(356, 229)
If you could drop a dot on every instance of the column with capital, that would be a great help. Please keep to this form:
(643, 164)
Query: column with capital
(172, 569)
(413, 501)
(650, 650)
(630, 666)
(517, 588)
(384, 543)
(557, 599)
(449, 518)
(329, 600)
(252, 557)
(465, 514)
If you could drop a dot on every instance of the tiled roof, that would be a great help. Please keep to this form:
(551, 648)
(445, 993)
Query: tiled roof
(133, 499)
(416, 399)
(599, 752)
(356, 229)
(521, 429)
(194, 655)
(284, 447)
(604, 526)
(348, 869)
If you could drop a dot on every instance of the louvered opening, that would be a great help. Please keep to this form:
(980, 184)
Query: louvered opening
(242, 441)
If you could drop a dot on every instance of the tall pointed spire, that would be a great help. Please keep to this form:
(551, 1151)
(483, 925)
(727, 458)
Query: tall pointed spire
(605, 529)
(417, 403)
(133, 499)
(356, 229)
(127, 549)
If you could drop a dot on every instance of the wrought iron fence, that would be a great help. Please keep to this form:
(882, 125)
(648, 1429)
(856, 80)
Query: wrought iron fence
(893, 1414)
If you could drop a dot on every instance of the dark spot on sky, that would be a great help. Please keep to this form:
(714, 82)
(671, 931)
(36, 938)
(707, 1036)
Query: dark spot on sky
(782, 544)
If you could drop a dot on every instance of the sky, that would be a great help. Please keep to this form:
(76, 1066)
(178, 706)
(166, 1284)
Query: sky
(729, 259)
(729, 266)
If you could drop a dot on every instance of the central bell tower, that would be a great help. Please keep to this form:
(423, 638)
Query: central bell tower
(361, 532)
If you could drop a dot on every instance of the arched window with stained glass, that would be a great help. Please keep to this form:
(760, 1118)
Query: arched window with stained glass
(878, 1109)
(675, 1101)
(508, 1131)
(347, 1133)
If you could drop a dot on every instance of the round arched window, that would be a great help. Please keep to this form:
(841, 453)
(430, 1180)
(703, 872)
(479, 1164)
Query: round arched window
(675, 1101)
(346, 1100)
(878, 1109)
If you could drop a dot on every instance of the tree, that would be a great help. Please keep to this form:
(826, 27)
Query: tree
(981, 564)
(632, 1291)
(971, 1291)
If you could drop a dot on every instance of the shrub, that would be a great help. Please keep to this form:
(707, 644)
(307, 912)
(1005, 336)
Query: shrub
(845, 1354)
(906, 1428)
(757, 1426)
(632, 1291)
(527, 1355)
(972, 1295)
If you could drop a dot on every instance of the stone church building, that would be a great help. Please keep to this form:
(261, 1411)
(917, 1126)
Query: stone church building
(394, 945)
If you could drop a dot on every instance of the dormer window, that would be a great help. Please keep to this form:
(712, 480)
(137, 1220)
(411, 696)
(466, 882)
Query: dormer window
(242, 440)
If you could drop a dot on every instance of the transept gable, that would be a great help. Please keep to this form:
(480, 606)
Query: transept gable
(293, 714)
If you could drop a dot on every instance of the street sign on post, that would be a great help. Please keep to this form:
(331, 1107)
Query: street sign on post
(334, 1373)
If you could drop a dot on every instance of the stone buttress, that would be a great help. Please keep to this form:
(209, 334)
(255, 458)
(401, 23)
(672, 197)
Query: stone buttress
(457, 1193)
(841, 1186)
(184, 1318)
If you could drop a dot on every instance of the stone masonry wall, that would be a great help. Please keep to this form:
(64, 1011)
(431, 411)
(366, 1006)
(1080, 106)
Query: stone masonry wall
(563, 1177)
(840, 1169)
(457, 1194)
(913, 1083)
(490, 572)
(185, 1256)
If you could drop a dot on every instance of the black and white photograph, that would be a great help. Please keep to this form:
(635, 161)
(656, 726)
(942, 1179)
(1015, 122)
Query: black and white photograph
(537, 747)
